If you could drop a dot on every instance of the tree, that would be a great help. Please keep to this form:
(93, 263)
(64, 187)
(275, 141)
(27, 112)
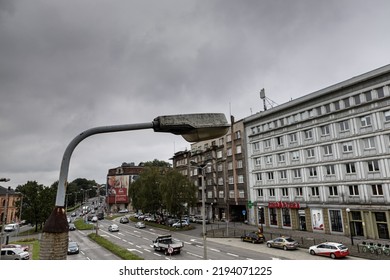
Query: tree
(178, 193)
(38, 202)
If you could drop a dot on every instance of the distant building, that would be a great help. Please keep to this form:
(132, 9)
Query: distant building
(221, 164)
(119, 180)
(321, 162)
(8, 199)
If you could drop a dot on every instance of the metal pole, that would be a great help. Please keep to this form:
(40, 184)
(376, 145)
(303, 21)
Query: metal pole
(204, 214)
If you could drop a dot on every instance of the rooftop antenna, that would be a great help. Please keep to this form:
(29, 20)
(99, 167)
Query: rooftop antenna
(262, 96)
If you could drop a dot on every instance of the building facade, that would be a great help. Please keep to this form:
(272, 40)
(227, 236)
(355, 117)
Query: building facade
(220, 165)
(9, 212)
(119, 180)
(321, 162)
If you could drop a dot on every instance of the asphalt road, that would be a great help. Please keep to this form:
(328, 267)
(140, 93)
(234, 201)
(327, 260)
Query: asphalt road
(140, 242)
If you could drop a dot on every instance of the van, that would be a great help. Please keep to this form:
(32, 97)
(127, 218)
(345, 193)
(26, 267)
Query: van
(11, 227)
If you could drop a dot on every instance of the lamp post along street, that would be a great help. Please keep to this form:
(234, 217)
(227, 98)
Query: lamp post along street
(193, 128)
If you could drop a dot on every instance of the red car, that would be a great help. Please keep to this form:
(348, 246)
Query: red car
(330, 249)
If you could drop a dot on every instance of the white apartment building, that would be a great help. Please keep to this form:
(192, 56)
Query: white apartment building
(321, 162)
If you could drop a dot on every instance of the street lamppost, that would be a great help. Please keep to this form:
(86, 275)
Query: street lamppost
(349, 224)
(193, 128)
(202, 167)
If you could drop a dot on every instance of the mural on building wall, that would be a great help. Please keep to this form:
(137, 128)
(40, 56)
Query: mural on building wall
(118, 187)
(317, 219)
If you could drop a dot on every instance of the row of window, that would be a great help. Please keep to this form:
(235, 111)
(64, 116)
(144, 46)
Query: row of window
(347, 147)
(332, 191)
(313, 171)
(312, 134)
(332, 107)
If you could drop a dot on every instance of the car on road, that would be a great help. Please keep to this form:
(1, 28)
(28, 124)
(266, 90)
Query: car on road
(124, 220)
(182, 223)
(14, 254)
(253, 237)
(72, 227)
(94, 219)
(73, 247)
(113, 228)
(11, 227)
(123, 211)
(140, 225)
(330, 249)
(285, 243)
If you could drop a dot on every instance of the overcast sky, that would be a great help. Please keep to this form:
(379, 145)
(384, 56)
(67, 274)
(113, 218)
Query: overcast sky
(67, 66)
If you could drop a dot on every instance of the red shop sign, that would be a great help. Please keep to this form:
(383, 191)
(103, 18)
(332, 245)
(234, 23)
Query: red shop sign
(283, 204)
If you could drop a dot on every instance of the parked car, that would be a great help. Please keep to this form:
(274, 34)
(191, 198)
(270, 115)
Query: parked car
(330, 249)
(253, 237)
(72, 226)
(23, 247)
(113, 228)
(94, 219)
(123, 211)
(11, 227)
(124, 220)
(285, 243)
(14, 254)
(73, 248)
(182, 223)
(140, 225)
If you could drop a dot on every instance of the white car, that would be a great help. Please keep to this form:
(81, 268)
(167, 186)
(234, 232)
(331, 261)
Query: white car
(113, 228)
(330, 249)
(140, 225)
(178, 224)
(14, 254)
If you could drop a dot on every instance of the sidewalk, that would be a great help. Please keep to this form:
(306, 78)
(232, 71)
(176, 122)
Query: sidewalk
(305, 238)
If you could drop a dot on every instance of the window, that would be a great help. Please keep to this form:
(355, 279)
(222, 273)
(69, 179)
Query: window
(270, 175)
(295, 155)
(230, 165)
(346, 103)
(260, 192)
(283, 174)
(297, 173)
(220, 181)
(219, 154)
(368, 96)
(387, 116)
(337, 105)
(347, 147)
(221, 194)
(350, 168)
(238, 134)
(377, 190)
(239, 163)
(330, 170)
(315, 191)
(241, 194)
(269, 160)
(325, 130)
(231, 180)
(327, 108)
(273, 216)
(238, 149)
(353, 190)
(310, 152)
(281, 158)
(258, 177)
(256, 146)
(228, 138)
(229, 152)
(344, 125)
(284, 191)
(328, 150)
(279, 140)
(286, 217)
(365, 121)
(267, 143)
(240, 179)
(293, 137)
(333, 191)
(380, 92)
(271, 192)
(231, 194)
(312, 171)
(373, 165)
(335, 220)
(299, 191)
(258, 161)
(369, 143)
(308, 134)
(357, 99)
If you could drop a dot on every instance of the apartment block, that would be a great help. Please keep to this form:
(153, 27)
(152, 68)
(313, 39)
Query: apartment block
(321, 162)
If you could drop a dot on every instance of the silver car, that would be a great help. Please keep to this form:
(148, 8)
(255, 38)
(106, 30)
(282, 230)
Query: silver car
(14, 254)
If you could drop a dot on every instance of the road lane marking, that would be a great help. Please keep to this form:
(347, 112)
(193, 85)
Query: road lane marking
(233, 255)
(195, 255)
(215, 250)
(131, 250)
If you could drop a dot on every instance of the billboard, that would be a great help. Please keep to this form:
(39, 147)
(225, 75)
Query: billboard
(317, 219)
(118, 188)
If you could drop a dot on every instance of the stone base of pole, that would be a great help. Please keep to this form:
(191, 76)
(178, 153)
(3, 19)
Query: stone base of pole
(54, 241)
